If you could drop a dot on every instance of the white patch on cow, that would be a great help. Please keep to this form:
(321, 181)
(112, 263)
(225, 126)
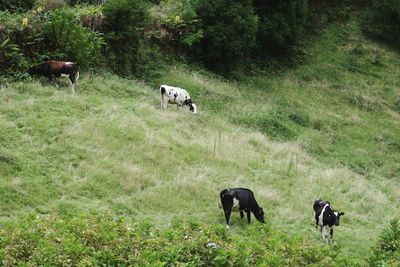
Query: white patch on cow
(326, 236)
(336, 213)
(321, 216)
(227, 227)
(70, 82)
(236, 206)
(69, 63)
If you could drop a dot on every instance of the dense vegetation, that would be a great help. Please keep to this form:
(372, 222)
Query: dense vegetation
(382, 20)
(93, 240)
(129, 36)
(327, 126)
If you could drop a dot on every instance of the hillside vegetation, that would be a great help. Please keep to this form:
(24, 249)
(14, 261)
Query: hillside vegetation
(327, 128)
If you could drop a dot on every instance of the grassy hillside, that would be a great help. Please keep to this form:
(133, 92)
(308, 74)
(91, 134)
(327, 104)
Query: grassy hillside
(325, 129)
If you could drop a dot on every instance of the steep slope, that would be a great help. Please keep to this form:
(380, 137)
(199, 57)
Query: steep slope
(325, 129)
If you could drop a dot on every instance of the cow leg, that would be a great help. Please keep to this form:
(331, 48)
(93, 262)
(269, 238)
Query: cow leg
(325, 235)
(73, 78)
(241, 214)
(70, 80)
(227, 212)
(164, 102)
(73, 88)
(248, 217)
(331, 235)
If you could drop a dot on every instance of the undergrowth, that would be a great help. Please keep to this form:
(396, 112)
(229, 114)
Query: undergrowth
(102, 240)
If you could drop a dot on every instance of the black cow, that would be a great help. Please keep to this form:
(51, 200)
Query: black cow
(55, 68)
(326, 218)
(240, 199)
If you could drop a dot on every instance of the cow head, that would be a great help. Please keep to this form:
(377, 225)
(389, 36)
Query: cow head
(337, 217)
(37, 69)
(33, 70)
(260, 215)
(193, 108)
(192, 105)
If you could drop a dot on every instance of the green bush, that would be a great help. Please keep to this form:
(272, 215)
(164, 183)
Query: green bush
(11, 58)
(16, 5)
(47, 5)
(382, 20)
(100, 240)
(281, 25)
(19, 42)
(176, 24)
(387, 252)
(124, 27)
(90, 17)
(67, 40)
(229, 33)
(150, 61)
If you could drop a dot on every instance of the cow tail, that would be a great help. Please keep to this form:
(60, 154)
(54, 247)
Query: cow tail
(162, 90)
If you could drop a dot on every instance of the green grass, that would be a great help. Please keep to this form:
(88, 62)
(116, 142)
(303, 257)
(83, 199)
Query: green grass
(325, 129)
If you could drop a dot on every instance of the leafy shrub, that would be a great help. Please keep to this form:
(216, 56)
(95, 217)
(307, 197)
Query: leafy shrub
(387, 252)
(90, 17)
(150, 61)
(21, 40)
(124, 26)
(11, 58)
(282, 23)
(229, 33)
(100, 240)
(383, 20)
(47, 5)
(16, 5)
(176, 24)
(68, 40)
(86, 2)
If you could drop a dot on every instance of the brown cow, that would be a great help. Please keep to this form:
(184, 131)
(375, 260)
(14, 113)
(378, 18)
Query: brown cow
(55, 68)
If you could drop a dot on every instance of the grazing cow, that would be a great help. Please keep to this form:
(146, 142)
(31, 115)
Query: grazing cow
(326, 218)
(242, 200)
(176, 95)
(52, 68)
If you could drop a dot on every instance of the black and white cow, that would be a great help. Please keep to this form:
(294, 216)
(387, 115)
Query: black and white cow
(55, 68)
(326, 218)
(176, 95)
(242, 200)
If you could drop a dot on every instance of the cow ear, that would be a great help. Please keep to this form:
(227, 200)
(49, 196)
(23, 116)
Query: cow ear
(341, 214)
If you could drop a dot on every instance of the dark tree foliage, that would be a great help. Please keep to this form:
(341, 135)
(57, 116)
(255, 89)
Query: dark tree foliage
(124, 26)
(282, 23)
(16, 5)
(85, 2)
(229, 33)
(383, 20)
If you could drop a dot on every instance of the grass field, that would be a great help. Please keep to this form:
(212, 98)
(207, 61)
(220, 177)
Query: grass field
(328, 128)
